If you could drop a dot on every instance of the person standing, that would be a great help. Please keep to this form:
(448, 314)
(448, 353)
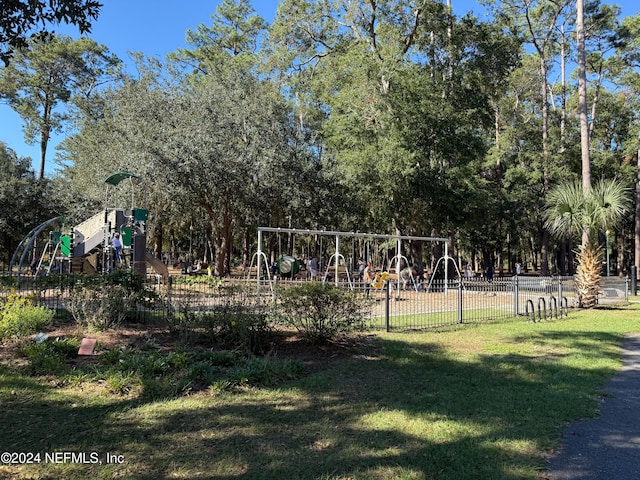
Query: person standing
(367, 277)
(361, 266)
(313, 268)
(117, 246)
(490, 273)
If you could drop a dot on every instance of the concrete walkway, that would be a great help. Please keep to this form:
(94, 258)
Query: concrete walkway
(608, 446)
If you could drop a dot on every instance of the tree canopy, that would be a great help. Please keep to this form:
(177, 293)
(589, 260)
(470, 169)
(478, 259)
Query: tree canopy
(41, 83)
(394, 117)
(21, 20)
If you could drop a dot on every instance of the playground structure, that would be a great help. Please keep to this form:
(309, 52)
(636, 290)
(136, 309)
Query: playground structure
(88, 247)
(332, 269)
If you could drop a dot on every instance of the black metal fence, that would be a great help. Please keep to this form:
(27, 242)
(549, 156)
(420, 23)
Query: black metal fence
(392, 307)
(417, 306)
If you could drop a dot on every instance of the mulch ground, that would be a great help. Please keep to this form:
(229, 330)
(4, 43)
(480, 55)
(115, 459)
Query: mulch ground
(285, 344)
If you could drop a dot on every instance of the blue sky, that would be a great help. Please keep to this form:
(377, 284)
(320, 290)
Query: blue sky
(157, 27)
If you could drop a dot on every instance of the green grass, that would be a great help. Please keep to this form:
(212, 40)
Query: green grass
(467, 402)
(438, 319)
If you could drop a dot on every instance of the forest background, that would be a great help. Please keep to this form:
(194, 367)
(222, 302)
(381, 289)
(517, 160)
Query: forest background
(387, 117)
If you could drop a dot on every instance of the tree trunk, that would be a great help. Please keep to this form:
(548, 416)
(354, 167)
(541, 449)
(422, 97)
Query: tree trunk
(158, 238)
(582, 97)
(637, 227)
(563, 113)
(544, 250)
(45, 134)
(223, 242)
(562, 258)
(246, 250)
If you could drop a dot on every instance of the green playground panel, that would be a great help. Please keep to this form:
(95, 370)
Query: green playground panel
(140, 214)
(127, 235)
(65, 245)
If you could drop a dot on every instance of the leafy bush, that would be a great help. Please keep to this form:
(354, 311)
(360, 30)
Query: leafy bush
(122, 383)
(235, 323)
(180, 321)
(214, 282)
(102, 307)
(264, 371)
(321, 312)
(49, 357)
(161, 374)
(236, 327)
(19, 318)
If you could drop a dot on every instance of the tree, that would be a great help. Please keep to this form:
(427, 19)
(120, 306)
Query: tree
(225, 144)
(630, 51)
(106, 141)
(23, 200)
(341, 61)
(392, 89)
(572, 211)
(233, 38)
(538, 21)
(20, 17)
(583, 108)
(40, 82)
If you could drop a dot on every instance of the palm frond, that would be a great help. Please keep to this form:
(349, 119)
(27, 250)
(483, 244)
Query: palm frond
(610, 200)
(564, 216)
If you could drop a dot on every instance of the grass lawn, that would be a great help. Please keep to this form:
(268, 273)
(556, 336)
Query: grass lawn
(438, 319)
(467, 402)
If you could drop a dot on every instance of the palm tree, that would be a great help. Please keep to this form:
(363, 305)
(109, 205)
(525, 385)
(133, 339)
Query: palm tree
(571, 213)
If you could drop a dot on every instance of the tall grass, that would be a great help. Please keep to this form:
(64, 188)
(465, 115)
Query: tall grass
(467, 402)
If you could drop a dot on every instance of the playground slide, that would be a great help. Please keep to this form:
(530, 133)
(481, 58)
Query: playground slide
(157, 265)
(90, 233)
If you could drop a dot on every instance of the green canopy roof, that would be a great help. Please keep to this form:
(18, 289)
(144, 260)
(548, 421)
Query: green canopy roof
(116, 178)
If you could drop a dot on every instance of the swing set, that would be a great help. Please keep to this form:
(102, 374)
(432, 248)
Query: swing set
(332, 267)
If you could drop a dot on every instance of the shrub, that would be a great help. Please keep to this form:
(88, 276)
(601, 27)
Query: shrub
(102, 307)
(49, 357)
(19, 318)
(236, 327)
(122, 383)
(235, 323)
(321, 312)
(265, 371)
(158, 374)
(180, 321)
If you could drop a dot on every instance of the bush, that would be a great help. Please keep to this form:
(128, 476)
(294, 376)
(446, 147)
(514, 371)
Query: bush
(102, 307)
(122, 383)
(158, 374)
(19, 318)
(321, 312)
(49, 357)
(265, 372)
(235, 323)
(236, 327)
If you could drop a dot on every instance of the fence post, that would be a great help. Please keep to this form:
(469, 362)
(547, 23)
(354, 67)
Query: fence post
(460, 309)
(560, 292)
(627, 282)
(387, 291)
(275, 285)
(634, 280)
(516, 296)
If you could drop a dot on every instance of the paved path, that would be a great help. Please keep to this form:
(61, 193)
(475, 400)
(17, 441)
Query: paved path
(608, 446)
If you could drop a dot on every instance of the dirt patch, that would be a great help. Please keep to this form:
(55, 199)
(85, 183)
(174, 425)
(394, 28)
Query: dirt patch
(285, 344)
(290, 345)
